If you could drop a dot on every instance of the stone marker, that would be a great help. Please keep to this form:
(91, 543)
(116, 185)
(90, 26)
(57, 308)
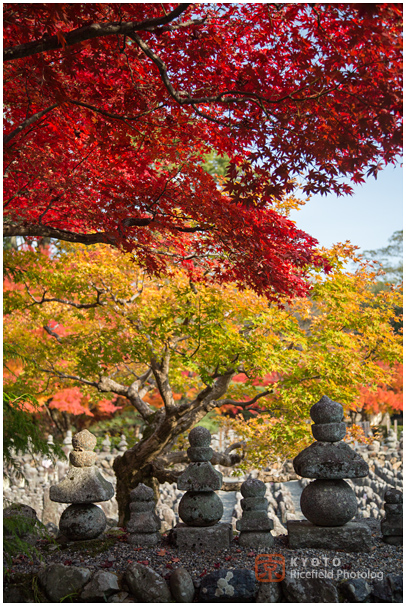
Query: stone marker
(144, 524)
(200, 507)
(82, 486)
(255, 525)
(329, 502)
(392, 523)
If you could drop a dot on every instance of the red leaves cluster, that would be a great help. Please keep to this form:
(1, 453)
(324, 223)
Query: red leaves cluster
(105, 133)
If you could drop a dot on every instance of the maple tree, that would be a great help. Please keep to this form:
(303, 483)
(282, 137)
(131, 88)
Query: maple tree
(91, 319)
(381, 397)
(111, 108)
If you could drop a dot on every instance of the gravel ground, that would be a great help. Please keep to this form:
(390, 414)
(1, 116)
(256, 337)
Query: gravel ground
(117, 554)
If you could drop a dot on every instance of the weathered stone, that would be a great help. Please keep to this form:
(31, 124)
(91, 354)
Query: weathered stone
(119, 597)
(254, 503)
(181, 585)
(256, 539)
(82, 459)
(394, 509)
(393, 540)
(199, 436)
(329, 432)
(355, 590)
(26, 517)
(82, 522)
(393, 496)
(200, 453)
(146, 584)
(59, 581)
(82, 485)
(196, 539)
(144, 522)
(328, 502)
(327, 411)
(200, 508)
(142, 506)
(381, 591)
(253, 488)
(309, 590)
(330, 461)
(395, 582)
(228, 586)
(263, 523)
(352, 537)
(269, 593)
(102, 585)
(394, 526)
(200, 476)
(84, 440)
(142, 493)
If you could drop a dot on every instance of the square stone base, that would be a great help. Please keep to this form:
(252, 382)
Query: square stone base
(352, 537)
(196, 538)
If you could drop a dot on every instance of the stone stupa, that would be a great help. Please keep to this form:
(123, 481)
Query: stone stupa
(200, 508)
(82, 486)
(329, 503)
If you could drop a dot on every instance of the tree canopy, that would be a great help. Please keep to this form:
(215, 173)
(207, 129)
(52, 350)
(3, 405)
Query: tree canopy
(111, 108)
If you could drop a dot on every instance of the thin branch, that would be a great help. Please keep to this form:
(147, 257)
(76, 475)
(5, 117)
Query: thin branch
(28, 122)
(245, 403)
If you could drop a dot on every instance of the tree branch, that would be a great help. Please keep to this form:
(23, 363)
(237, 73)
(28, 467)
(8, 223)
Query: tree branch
(88, 32)
(244, 403)
(28, 122)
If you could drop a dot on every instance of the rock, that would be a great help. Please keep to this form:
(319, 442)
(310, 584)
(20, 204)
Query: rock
(119, 597)
(228, 585)
(181, 585)
(330, 461)
(146, 584)
(381, 591)
(329, 432)
(395, 582)
(102, 585)
(328, 502)
(59, 581)
(256, 539)
(82, 459)
(24, 520)
(82, 485)
(355, 590)
(309, 590)
(253, 488)
(326, 411)
(84, 440)
(196, 539)
(200, 476)
(352, 537)
(393, 496)
(269, 592)
(82, 522)
(200, 508)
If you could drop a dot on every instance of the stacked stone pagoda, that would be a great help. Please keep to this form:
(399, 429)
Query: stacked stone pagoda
(82, 486)
(329, 503)
(254, 525)
(200, 508)
(144, 524)
(392, 524)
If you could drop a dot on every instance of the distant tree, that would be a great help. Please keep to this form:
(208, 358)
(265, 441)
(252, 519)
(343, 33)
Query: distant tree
(390, 259)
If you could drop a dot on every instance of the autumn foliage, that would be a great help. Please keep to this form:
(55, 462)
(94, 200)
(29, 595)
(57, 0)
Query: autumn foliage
(110, 110)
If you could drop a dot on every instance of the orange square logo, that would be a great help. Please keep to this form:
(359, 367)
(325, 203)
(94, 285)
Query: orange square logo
(269, 567)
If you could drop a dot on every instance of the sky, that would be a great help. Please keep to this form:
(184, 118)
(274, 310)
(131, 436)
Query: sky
(367, 218)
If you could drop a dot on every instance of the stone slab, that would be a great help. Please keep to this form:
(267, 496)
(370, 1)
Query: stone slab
(82, 485)
(192, 538)
(256, 540)
(330, 461)
(352, 537)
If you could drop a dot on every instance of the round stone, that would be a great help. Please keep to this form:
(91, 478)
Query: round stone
(84, 440)
(329, 432)
(84, 458)
(200, 436)
(200, 508)
(327, 411)
(82, 522)
(253, 488)
(328, 502)
(254, 504)
(142, 493)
